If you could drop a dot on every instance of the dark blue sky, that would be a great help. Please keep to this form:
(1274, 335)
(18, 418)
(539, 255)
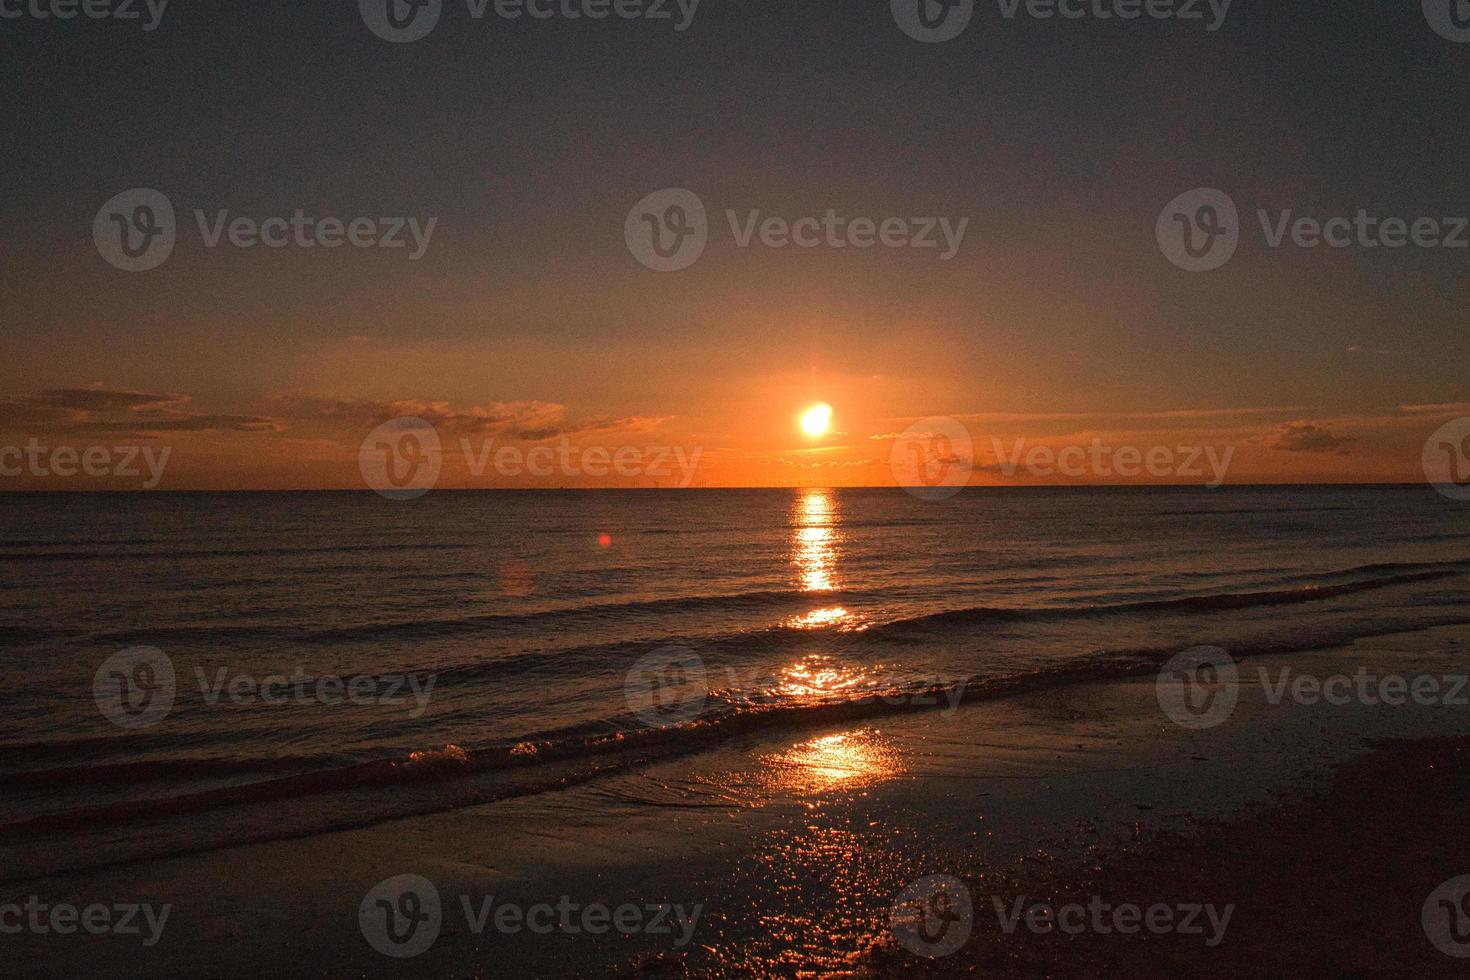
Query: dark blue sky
(1059, 140)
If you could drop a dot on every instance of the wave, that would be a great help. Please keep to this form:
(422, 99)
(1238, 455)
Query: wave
(546, 758)
(755, 601)
(94, 554)
(1215, 602)
(773, 599)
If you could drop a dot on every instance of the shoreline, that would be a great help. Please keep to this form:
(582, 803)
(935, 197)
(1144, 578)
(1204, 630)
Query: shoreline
(793, 845)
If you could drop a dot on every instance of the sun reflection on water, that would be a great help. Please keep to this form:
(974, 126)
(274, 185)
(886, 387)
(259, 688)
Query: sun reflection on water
(818, 618)
(815, 519)
(819, 678)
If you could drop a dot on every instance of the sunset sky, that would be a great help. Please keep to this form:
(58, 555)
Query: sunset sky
(527, 320)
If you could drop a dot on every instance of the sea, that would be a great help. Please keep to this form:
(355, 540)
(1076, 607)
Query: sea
(186, 671)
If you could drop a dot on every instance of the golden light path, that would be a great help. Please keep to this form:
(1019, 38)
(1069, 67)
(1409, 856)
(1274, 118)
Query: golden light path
(814, 539)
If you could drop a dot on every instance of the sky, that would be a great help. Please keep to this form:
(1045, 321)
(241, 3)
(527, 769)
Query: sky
(523, 313)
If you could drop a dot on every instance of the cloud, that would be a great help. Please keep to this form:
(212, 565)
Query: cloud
(531, 421)
(181, 422)
(1304, 437)
(1446, 409)
(115, 411)
(99, 399)
(1114, 416)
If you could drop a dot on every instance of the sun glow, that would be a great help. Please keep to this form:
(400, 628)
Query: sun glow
(814, 421)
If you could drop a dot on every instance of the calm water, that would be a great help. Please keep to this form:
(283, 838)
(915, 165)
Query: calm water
(491, 635)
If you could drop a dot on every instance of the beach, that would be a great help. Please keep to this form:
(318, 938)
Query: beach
(785, 852)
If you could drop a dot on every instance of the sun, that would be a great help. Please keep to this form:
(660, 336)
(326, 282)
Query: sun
(814, 421)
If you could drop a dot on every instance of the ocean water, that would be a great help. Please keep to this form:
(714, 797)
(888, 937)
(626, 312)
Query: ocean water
(503, 643)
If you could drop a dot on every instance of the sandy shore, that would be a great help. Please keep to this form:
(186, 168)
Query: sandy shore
(785, 852)
(1331, 886)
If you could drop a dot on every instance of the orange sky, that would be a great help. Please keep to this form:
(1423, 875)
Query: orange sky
(288, 440)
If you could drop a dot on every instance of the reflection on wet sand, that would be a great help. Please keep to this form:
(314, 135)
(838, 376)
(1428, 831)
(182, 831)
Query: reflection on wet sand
(822, 881)
(847, 760)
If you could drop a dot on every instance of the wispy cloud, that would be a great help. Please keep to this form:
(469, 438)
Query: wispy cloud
(1304, 437)
(530, 421)
(116, 411)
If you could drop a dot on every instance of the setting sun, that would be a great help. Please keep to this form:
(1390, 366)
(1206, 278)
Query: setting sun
(814, 421)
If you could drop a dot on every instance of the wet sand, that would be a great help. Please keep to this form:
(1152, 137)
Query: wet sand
(792, 846)
(1331, 886)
